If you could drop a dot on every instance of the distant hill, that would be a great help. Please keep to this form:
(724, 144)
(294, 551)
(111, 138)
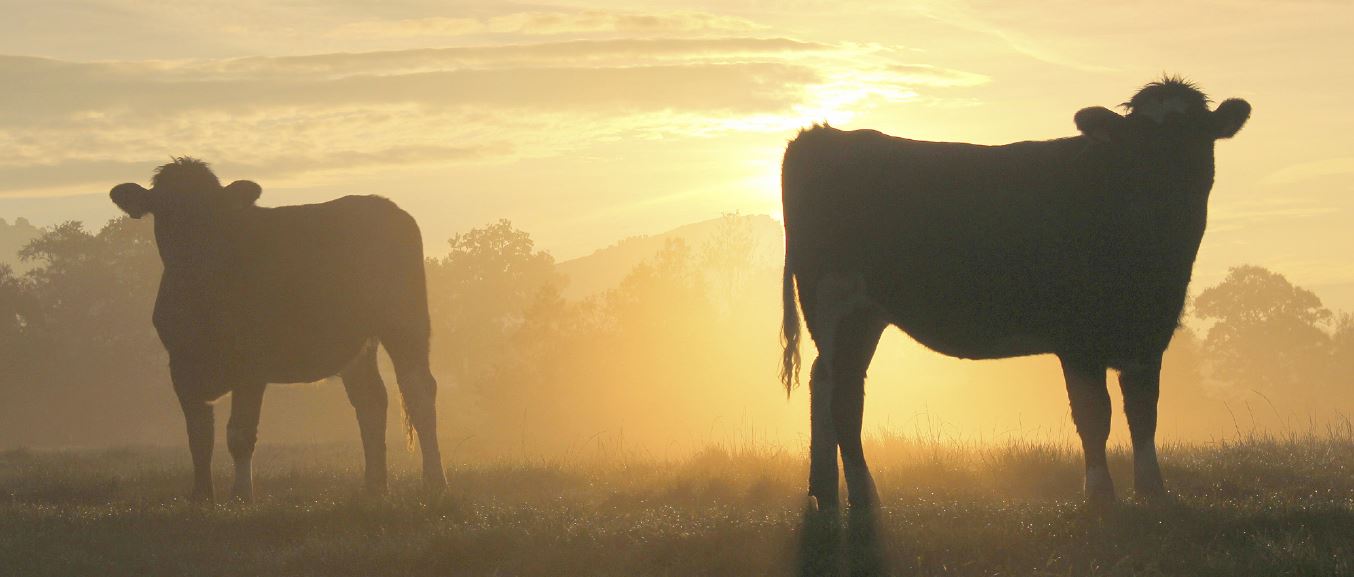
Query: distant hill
(605, 268)
(13, 237)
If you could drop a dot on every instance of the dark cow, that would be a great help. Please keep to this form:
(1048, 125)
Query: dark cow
(1080, 247)
(254, 295)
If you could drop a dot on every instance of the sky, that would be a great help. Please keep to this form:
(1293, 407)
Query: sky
(587, 122)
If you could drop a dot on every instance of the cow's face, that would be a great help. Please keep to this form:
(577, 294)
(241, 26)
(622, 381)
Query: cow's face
(1167, 124)
(192, 210)
(1168, 134)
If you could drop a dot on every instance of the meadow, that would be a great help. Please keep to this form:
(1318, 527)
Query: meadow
(1265, 505)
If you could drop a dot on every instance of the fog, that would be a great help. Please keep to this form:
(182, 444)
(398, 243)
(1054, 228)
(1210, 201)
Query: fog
(655, 346)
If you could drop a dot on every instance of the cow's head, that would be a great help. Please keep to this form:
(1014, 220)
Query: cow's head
(1163, 148)
(1170, 109)
(190, 205)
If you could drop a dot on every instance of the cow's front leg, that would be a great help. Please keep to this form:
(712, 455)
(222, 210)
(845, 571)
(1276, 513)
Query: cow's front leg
(242, 433)
(1091, 412)
(197, 414)
(1141, 385)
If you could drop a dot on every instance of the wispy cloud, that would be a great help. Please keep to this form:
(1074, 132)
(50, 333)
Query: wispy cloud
(69, 123)
(1323, 168)
(541, 22)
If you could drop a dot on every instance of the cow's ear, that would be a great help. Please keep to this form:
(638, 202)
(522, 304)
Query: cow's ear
(133, 199)
(243, 192)
(1099, 123)
(1229, 117)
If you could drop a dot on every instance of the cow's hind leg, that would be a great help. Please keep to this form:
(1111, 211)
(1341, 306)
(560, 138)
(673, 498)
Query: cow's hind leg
(419, 390)
(1091, 412)
(367, 393)
(857, 336)
(822, 437)
(242, 433)
(841, 326)
(1141, 385)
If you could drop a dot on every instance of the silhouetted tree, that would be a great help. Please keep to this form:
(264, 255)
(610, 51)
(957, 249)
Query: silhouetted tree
(727, 260)
(1267, 333)
(92, 356)
(1342, 353)
(15, 310)
(662, 296)
(478, 293)
(13, 237)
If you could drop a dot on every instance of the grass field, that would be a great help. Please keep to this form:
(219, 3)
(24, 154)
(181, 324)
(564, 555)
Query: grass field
(1264, 506)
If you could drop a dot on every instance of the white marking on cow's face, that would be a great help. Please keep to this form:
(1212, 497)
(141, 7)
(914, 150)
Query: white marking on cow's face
(1157, 110)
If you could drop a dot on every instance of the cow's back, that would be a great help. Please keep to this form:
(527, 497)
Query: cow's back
(310, 284)
(977, 251)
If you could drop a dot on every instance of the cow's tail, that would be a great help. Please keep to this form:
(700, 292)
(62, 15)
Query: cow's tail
(789, 327)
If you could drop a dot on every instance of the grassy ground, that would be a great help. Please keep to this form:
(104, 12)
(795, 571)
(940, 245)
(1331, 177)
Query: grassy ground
(1260, 507)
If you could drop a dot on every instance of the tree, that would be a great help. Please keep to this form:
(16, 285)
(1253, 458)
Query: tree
(91, 355)
(663, 297)
(1267, 333)
(727, 259)
(16, 308)
(479, 292)
(1342, 353)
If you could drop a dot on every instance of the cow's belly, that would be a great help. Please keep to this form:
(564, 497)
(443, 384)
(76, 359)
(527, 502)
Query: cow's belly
(976, 320)
(304, 352)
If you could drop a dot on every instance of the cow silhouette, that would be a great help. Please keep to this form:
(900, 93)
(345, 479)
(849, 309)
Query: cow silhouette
(252, 295)
(1081, 247)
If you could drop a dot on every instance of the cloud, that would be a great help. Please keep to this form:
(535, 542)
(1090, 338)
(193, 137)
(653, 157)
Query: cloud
(1327, 167)
(554, 22)
(65, 124)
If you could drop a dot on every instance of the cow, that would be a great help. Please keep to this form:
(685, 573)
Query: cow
(253, 295)
(1081, 247)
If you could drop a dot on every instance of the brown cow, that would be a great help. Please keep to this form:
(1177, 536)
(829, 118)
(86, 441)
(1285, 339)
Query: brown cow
(1081, 247)
(253, 295)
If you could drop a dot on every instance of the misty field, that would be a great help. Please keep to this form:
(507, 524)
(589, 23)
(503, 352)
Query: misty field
(1263, 506)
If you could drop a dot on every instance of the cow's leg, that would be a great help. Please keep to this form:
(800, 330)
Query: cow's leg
(242, 433)
(856, 339)
(838, 298)
(1141, 385)
(419, 390)
(1091, 412)
(822, 437)
(198, 415)
(367, 393)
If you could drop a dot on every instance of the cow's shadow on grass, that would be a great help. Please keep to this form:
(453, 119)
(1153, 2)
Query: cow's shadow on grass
(1173, 538)
(834, 544)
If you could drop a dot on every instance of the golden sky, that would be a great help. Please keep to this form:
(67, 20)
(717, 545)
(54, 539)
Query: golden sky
(586, 122)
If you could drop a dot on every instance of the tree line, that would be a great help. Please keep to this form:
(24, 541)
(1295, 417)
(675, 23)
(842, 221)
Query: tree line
(686, 337)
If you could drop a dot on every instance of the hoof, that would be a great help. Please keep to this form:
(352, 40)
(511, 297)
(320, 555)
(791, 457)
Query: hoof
(1099, 487)
(1147, 484)
(867, 500)
(435, 484)
(823, 505)
(1154, 493)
